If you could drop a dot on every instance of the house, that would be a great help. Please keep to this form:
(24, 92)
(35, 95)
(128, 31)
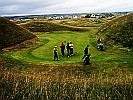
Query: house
(93, 16)
(61, 17)
(82, 16)
(101, 15)
(72, 17)
(55, 17)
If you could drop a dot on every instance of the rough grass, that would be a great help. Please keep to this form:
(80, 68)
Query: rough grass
(11, 34)
(32, 74)
(81, 22)
(71, 83)
(45, 26)
(118, 30)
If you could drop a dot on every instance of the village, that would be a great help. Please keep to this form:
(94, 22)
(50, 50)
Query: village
(66, 16)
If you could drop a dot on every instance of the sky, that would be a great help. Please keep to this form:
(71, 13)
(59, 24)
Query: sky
(28, 7)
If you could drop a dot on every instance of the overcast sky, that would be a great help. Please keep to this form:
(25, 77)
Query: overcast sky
(24, 7)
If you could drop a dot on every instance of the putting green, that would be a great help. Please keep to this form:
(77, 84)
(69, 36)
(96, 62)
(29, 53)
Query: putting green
(42, 53)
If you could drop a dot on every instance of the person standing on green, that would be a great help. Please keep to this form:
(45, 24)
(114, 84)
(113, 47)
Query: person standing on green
(55, 53)
(86, 51)
(62, 46)
(71, 48)
(68, 50)
(87, 59)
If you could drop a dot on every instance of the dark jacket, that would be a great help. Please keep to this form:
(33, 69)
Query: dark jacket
(68, 47)
(86, 50)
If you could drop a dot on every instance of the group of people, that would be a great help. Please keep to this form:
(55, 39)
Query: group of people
(69, 49)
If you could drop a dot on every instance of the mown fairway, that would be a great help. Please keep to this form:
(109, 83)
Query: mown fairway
(42, 52)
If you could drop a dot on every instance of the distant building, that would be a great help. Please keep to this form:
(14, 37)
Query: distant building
(72, 16)
(93, 16)
(101, 15)
(61, 17)
(55, 17)
(82, 16)
(49, 18)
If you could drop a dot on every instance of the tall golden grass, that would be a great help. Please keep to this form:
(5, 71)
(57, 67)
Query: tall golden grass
(65, 83)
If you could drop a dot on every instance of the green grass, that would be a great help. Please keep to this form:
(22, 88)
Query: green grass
(32, 74)
(119, 30)
(42, 52)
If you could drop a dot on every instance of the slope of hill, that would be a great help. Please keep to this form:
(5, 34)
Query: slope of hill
(81, 22)
(43, 26)
(11, 34)
(119, 30)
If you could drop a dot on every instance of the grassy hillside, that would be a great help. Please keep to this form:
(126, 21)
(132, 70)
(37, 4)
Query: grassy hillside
(11, 34)
(120, 30)
(32, 73)
(84, 22)
(45, 26)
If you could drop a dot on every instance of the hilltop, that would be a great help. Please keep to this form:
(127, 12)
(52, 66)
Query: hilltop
(11, 34)
(45, 26)
(119, 30)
